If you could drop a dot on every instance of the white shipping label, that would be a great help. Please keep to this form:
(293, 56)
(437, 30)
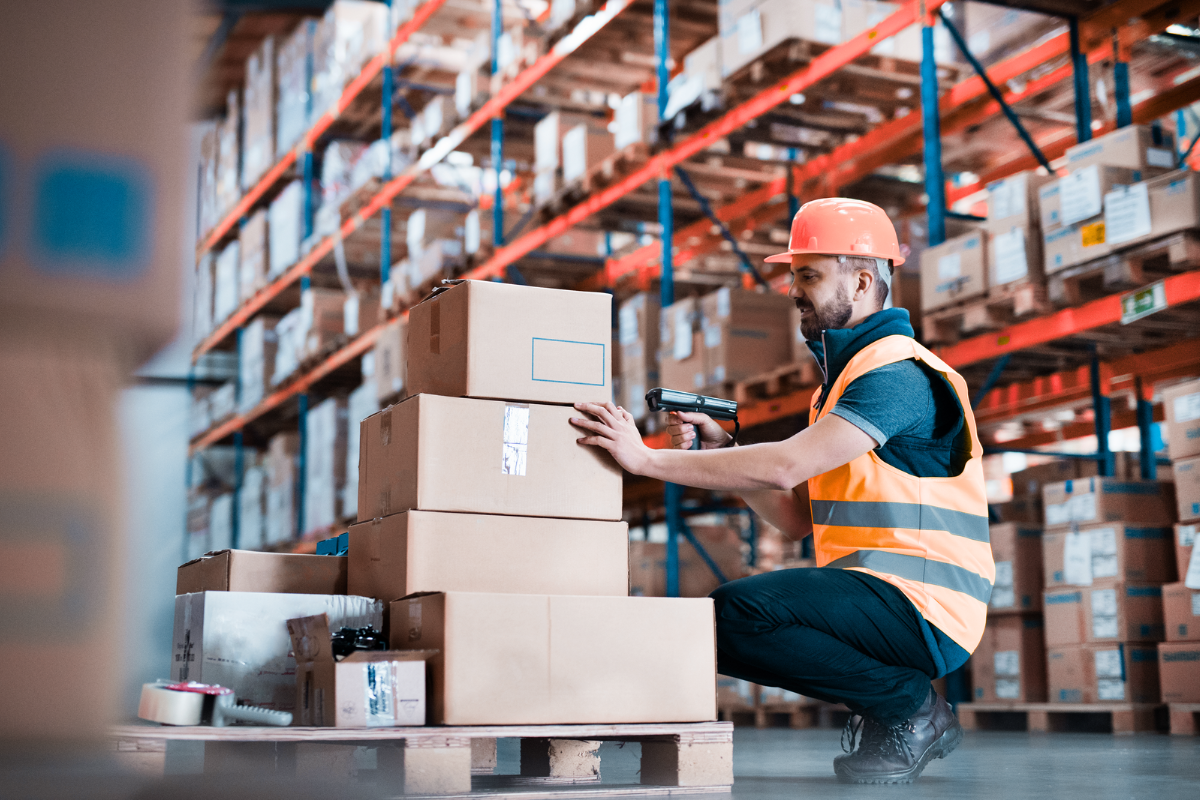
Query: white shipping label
(1196, 604)
(828, 27)
(1104, 627)
(1077, 559)
(1003, 597)
(712, 335)
(1104, 552)
(950, 267)
(1008, 689)
(1109, 689)
(682, 345)
(1104, 603)
(1186, 535)
(1108, 664)
(749, 33)
(350, 315)
(1006, 198)
(1192, 579)
(1126, 213)
(1010, 262)
(516, 439)
(1079, 195)
(1004, 573)
(380, 695)
(1081, 508)
(627, 325)
(1160, 157)
(1008, 663)
(723, 302)
(1187, 408)
(1058, 513)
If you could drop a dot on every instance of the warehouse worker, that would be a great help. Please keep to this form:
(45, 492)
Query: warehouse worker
(887, 477)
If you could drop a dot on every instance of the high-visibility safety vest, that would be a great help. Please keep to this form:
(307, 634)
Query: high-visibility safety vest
(926, 536)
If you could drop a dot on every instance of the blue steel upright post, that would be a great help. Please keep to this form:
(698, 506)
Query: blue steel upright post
(1121, 85)
(1102, 413)
(497, 132)
(302, 466)
(239, 455)
(935, 182)
(385, 213)
(1083, 94)
(1145, 421)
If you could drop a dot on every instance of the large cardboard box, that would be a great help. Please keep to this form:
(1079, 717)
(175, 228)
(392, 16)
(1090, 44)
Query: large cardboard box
(1026, 509)
(681, 353)
(1103, 674)
(240, 639)
(365, 689)
(954, 270)
(1108, 553)
(423, 551)
(1017, 550)
(1179, 671)
(745, 333)
(1181, 613)
(519, 659)
(324, 464)
(1140, 147)
(1147, 503)
(1182, 405)
(1010, 661)
(1187, 488)
(1122, 613)
(435, 453)
(250, 571)
(483, 339)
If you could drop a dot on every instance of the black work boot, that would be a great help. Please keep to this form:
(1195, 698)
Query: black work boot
(898, 753)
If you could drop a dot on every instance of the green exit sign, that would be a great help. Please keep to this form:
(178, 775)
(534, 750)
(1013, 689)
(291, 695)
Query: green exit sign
(1143, 302)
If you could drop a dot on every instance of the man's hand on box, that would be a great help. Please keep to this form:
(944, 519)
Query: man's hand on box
(615, 431)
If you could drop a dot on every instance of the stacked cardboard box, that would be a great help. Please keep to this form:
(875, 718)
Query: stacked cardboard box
(256, 360)
(324, 464)
(226, 282)
(637, 348)
(1013, 228)
(291, 70)
(1009, 663)
(229, 140)
(252, 253)
(497, 538)
(550, 147)
(636, 118)
(954, 271)
(259, 151)
(1179, 656)
(285, 228)
(350, 33)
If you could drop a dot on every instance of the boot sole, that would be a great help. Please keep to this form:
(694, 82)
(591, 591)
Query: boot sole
(944, 746)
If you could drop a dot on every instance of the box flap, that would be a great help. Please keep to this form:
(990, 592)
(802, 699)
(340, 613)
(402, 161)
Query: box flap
(389, 655)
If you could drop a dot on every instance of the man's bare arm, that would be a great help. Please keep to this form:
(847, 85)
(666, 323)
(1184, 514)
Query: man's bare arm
(786, 510)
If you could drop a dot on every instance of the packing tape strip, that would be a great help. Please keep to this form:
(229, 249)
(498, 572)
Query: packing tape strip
(160, 704)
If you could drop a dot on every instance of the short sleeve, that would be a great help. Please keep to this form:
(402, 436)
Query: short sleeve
(888, 401)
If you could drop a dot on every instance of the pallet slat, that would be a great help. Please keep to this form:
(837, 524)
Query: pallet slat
(1044, 717)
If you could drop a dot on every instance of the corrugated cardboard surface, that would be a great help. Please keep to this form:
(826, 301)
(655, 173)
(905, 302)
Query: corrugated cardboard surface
(249, 571)
(436, 453)
(536, 659)
(1185, 538)
(1187, 488)
(954, 270)
(1181, 613)
(1182, 405)
(1020, 547)
(1146, 503)
(745, 333)
(1114, 553)
(1179, 672)
(1133, 147)
(1010, 661)
(1125, 612)
(423, 551)
(483, 339)
(1103, 674)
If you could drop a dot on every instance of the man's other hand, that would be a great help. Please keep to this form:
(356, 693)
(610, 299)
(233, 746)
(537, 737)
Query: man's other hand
(682, 427)
(615, 431)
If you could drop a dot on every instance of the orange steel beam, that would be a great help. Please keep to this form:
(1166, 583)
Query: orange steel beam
(372, 68)
(1073, 430)
(388, 192)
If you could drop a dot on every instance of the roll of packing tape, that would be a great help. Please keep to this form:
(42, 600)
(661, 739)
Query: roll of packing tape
(160, 704)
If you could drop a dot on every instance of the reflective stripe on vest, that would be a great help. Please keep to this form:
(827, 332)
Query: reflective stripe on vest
(926, 536)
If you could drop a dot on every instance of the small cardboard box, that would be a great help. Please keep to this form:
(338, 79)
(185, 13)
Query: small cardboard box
(1181, 613)
(1179, 671)
(1182, 405)
(1146, 503)
(497, 340)
(1140, 147)
(1187, 488)
(1017, 550)
(249, 571)
(1122, 613)
(366, 689)
(1010, 661)
(435, 453)
(1103, 674)
(1106, 554)
(422, 551)
(954, 270)
(1185, 538)
(745, 333)
(512, 659)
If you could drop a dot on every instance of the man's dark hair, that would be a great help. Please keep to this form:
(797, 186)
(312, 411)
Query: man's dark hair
(870, 265)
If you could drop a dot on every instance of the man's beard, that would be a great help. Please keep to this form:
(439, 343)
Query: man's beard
(834, 315)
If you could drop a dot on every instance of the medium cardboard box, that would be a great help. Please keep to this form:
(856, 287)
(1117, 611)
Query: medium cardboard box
(249, 571)
(745, 333)
(423, 551)
(497, 340)
(1108, 553)
(435, 453)
(1017, 550)
(1179, 671)
(1187, 488)
(1103, 674)
(681, 352)
(1182, 405)
(513, 659)
(240, 639)
(366, 689)
(1147, 503)
(1078, 198)
(1181, 613)
(1185, 538)
(1014, 253)
(1140, 147)
(1125, 613)
(954, 270)
(1010, 661)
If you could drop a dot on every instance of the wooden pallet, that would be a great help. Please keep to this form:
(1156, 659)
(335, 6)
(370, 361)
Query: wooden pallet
(452, 761)
(1114, 717)
(1002, 306)
(778, 382)
(1125, 269)
(1185, 718)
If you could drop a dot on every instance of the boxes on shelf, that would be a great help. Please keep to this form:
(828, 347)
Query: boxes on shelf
(1017, 550)
(360, 312)
(220, 522)
(1103, 674)
(953, 271)
(584, 146)
(482, 339)
(285, 228)
(749, 28)
(1187, 488)
(225, 282)
(1025, 509)
(365, 689)
(1010, 661)
(240, 639)
(252, 252)
(1137, 147)
(1181, 613)
(322, 316)
(229, 141)
(562, 659)
(1181, 403)
(1013, 233)
(1185, 540)
(390, 363)
(252, 508)
(247, 571)
(1108, 553)
(636, 118)
(637, 338)
(202, 305)
(362, 403)
(681, 347)
(423, 551)
(282, 482)
(259, 150)
(436, 453)
(291, 71)
(1122, 613)
(995, 32)
(745, 333)
(1147, 503)
(289, 342)
(256, 365)
(1179, 671)
(210, 136)
(1029, 481)
(324, 464)
(350, 33)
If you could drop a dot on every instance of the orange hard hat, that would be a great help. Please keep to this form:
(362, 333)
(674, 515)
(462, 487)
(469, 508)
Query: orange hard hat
(839, 226)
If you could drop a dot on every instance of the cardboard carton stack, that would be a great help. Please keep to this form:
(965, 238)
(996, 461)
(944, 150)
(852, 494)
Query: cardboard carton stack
(496, 538)
(350, 33)
(548, 145)
(291, 72)
(259, 151)
(1014, 234)
(637, 340)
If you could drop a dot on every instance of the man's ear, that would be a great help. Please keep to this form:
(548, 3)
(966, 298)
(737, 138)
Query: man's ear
(864, 284)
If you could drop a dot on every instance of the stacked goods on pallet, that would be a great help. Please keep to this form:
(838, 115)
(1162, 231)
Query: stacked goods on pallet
(211, 481)
(1014, 238)
(745, 334)
(258, 153)
(209, 132)
(583, 147)
(282, 491)
(291, 74)
(337, 183)
(954, 271)
(722, 544)
(362, 403)
(681, 347)
(637, 349)
(994, 33)
(360, 312)
(1179, 656)
(497, 538)
(285, 229)
(349, 35)
(1009, 663)
(202, 305)
(226, 282)
(434, 238)
(322, 322)
(549, 143)
(256, 361)
(229, 134)
(389, 362)
(700, 80)
(252, 252)
(636, 118)
(1107, 554)
(1182, 404)
(252, 503)
(324, 464)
